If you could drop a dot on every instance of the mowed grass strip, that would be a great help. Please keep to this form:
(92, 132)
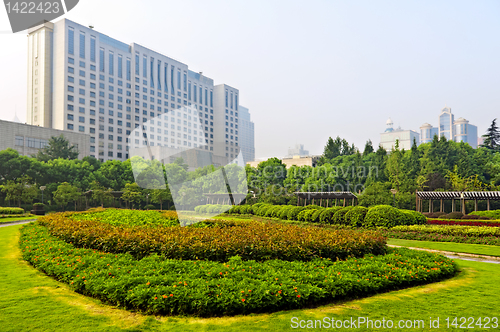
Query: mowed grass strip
(33, 302)
(477, 249)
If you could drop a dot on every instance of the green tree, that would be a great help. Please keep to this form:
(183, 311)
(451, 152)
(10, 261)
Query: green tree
(66, 193)
(160, 196)
(491, 140)
(368, 148)
(99, 192)
(58, 147)
(132, 194)
(20, 191)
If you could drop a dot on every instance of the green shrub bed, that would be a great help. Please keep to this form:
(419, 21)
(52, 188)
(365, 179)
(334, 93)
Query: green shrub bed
(118, 217)
(10, 210)
(212, 208)
(458, 234)
(155, 285)
(250, 240)
(354, 216)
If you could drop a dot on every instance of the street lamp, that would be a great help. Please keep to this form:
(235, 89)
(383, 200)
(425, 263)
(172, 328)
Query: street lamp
(393, 192)
(42, 188)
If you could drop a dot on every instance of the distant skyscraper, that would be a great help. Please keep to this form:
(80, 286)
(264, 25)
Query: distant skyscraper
(465, 132)
(404, 137)
(458, 131)
(298, 150)
(446, 120)
(427, 133)
(247, 135)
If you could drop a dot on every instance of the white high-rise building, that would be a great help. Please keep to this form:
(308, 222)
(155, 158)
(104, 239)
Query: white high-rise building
(247, 135)
(405, 138)
(83, 81)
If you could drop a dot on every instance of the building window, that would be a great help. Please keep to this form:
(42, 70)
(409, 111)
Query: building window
(119, 66)
(128, 69)
(81, 129)
(19, 141)
(92, 49)
(82, 45)
(70, 126)
(101, 60)
(145, 66)
(111, 63)
(71, 41)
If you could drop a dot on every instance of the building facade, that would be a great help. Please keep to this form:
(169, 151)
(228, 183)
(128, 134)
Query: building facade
(247, 135)
(459, 130)
(405, 138)
(298, 150)
(446, 121)
(27, 140)
(82, 81)
(465, 132)
(427, 133)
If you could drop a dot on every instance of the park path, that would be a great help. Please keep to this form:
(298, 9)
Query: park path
(457, 255)
(17, 222)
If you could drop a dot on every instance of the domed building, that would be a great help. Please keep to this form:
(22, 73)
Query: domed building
(405, 137)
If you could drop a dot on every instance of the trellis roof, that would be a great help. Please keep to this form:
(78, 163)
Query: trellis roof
(481, 195)
(326, 195)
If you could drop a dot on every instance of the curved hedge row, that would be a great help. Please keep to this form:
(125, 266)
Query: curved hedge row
(155, 285)
(11, 210)
(250, 240)
(212, 208)
(355, 216)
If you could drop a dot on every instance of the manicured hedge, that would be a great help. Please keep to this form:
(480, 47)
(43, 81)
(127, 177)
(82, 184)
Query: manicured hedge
(339, 216)
(464, 222)
(452, 215)
(250, 240)
(326, 216)
(11, 210)
(451, 230)
(159, 286)
(383, 216)
(356, 216)
(212, 208)
(417, 234)
(493, 214)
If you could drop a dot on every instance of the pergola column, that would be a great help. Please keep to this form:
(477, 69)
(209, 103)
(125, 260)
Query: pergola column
(488, 204)
(452, 205)
(475, 205)
(344, 202)
(441, 206)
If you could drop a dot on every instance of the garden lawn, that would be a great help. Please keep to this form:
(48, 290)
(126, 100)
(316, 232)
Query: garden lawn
(33, 302)
(478, 249)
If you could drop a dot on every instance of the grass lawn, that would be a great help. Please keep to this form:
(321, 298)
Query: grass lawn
(31, 301)
(479, 249)
(9, 220)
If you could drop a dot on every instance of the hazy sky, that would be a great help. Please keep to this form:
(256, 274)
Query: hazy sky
(311, 69)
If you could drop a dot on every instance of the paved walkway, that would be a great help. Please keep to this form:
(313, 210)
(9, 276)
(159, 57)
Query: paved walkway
(458, 255)
(17, 222)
